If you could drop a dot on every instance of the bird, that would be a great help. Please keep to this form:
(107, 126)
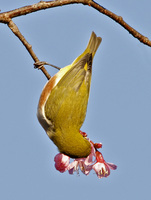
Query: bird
(63, 103)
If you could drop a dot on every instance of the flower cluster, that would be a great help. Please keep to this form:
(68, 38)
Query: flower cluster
(94, 161)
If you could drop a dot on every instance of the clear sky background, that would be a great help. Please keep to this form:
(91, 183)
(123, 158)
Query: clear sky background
(119, 109)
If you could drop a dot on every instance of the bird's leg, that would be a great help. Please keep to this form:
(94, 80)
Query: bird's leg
(38, 65)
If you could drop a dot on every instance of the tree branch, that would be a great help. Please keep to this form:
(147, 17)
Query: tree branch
(120, 21)
(16, 31)
(6, 17)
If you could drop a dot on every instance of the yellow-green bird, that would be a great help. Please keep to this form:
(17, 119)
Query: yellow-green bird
(63, 103)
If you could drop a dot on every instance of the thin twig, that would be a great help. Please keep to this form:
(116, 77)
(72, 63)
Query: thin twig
(5, 17)
(120, 21)
(16, 31)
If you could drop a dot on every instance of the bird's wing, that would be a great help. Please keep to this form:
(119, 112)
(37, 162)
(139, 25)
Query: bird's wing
(67, 102)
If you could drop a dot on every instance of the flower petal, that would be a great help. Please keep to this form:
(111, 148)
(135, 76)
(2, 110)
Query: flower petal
(101, 169)
(89, 159)
(112, 166)
(61, 162)
(85, 169)
(72, 167)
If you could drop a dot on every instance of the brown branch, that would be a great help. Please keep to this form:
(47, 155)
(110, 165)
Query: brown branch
(16, 31)
(4, 17)
(120, 20)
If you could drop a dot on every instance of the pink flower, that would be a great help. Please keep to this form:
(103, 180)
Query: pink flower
(61, 162)
(101, 167)
(81, 164)
(85, 164)
(85, 168)
(94, 161)
(74, 166)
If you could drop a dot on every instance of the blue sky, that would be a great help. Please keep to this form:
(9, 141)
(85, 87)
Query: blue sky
(119, 109)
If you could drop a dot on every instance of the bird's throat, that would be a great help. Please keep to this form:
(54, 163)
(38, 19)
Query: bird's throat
(72, 143)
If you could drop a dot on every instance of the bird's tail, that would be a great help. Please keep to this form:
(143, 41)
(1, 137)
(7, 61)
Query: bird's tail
(91, 48)
(93, 44)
